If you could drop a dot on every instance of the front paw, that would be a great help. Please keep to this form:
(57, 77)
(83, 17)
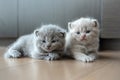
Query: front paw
(86, 58)
(52, 56)
(93, 56)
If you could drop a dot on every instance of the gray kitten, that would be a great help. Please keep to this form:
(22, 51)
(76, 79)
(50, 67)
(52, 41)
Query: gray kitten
(45, 43)
(82, 40)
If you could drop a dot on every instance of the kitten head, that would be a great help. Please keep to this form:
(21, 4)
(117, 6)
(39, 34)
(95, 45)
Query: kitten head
(84, 30)
(50, 37)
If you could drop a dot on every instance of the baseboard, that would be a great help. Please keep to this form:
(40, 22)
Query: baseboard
(105, 44)
(110, 44)
(6, 41)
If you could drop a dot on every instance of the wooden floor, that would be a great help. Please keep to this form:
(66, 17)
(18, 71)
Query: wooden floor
(107, 67)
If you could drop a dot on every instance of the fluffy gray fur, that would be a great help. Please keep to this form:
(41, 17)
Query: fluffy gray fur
(46, 43)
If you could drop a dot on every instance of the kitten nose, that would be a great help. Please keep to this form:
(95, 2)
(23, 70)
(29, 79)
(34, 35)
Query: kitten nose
(48, 46)
(83, 36)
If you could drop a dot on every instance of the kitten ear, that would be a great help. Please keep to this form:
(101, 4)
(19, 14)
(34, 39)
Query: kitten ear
(36, 33)
(62, 34)
(96, 24)
(70, 25)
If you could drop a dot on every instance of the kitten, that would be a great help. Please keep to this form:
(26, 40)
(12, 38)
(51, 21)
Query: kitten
(82, 40)
(45, 43)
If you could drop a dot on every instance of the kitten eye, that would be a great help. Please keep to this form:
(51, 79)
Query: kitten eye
(77, 32)
(88, 31)
(53, 41)
(43, 41)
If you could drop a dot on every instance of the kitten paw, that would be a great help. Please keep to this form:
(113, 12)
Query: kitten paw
(52, 56)
(86, 58)
(12, 54)
(93, 56)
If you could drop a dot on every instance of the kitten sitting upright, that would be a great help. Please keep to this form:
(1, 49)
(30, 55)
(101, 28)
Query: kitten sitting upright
(45, 43)
(83, 39)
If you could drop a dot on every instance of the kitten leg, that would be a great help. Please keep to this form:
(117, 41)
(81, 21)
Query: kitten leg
(45, 56)
(14, 50)
(52, 56)
(12, 54)
(35, 55)
(93, 56)
(83, 57)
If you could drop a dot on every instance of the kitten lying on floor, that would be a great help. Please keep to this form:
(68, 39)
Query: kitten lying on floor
(82, 40)
(45, 43)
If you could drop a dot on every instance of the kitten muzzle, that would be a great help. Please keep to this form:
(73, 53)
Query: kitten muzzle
(83, 37)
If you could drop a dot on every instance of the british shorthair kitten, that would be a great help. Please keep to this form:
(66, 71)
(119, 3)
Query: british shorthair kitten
(45, 43)
(82, 40)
